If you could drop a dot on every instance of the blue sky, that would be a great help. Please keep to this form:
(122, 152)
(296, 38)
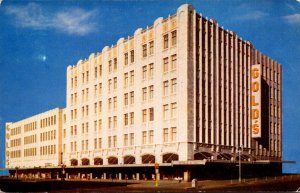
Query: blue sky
(39, 39)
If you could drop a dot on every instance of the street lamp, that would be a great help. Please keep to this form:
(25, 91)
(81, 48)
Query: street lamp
(240, 149)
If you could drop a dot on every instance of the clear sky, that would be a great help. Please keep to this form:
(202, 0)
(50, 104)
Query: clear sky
(39, 39)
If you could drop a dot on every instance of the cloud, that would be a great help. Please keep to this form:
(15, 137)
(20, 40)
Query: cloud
(292, 19)
(298, 1)
(255, 15)
(71, 21)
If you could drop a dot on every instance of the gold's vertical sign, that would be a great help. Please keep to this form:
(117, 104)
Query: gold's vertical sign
(256, 101)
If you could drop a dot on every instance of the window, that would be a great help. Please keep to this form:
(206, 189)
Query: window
(109, 103)
(71, 130)
(100, 106)
(145, 50)
(131, 138)
(115, 64)
(115, 121)
(144, 75)
(131, 77)
(125, 139)
(95, 108)
(87, 94)
(95, 72)
(109, 66)
(82, 145)
(87, 110)
(166, 87)
(82, 78)
(109, 142)
(165, 111)
(173, 86)
(173, 62)
(126, 59)
(144, 137)
(99, 143)
(82, 95)
(75, 81)
(100, 70)
(115, 141)
(109, 122)
(95, 126)
(151, 69)
(144, 94)
(125, 79)
(151, 92)
(132, 56)
(151, 114)
(150, 141)
(95, 143)
(174, 38)
(87, 127)
(115, 102)
(95, 90)
(82, 111)
(126, 99)
(100, 88)
(109, 85)
(100, 124)
(166, 41)
(87, 76)
(173, 110)
(165, 65)
(151, 48)
(165, 135)
(173, 133)
(126, 119)
(132, 118)
(132, 97)
(144, 117)
(115, 83)
(75, 129)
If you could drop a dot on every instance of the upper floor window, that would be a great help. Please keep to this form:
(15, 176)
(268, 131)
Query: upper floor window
(166, 41)
(109, 66)
(115, 64)
(132, 56)
(151, 48)
(145, 50)
(174, 38)
(173, 62)
(165, 64)
(126, 59)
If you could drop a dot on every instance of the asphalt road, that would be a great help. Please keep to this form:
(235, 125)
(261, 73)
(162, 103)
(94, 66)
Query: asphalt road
(274, 184)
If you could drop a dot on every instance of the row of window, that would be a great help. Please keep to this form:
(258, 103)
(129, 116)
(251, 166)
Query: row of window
(129, 118)
(29, 152)
(112, 64)
(173, 39)
(48, 150)
(30, 126)
(113, 101)
(169, 135)
(15, 142)
(30, 139)
(49, 135)
(49, 121)
(15, 154)
(169, 64)
(127, 76)
(15, 131)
